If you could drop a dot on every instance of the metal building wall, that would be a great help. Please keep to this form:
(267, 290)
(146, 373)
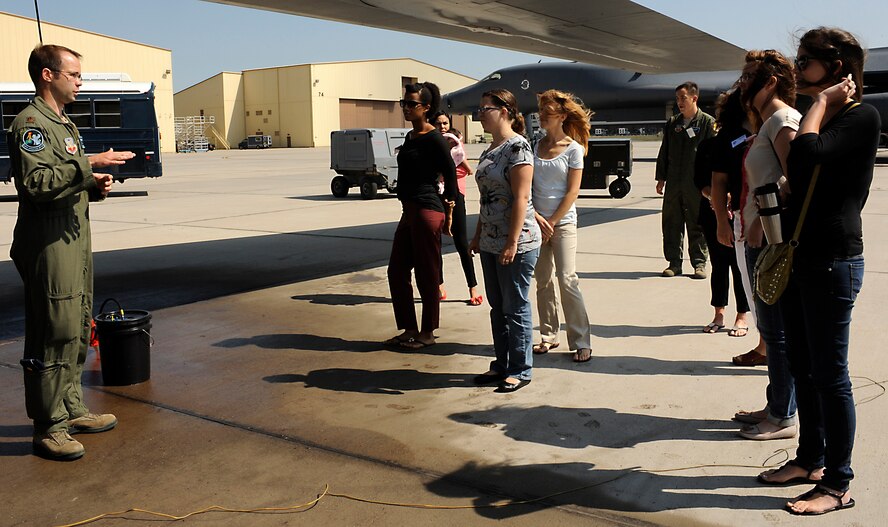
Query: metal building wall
(306, 102)
(101, 54)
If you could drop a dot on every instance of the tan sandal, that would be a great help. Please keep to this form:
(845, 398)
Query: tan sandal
(543, 347)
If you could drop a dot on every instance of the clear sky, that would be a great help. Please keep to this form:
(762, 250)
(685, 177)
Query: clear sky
(207, 38)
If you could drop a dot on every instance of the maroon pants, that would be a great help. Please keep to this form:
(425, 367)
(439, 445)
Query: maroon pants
(417, 245)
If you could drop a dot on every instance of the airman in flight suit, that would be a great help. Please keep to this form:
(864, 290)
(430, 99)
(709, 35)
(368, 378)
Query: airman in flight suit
(675, 173)
(52, 251)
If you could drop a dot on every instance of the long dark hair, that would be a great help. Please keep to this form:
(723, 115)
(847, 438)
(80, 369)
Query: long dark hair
(439, 114)
(840, 51)
(429, 94)
(504, 99)
(729, 110)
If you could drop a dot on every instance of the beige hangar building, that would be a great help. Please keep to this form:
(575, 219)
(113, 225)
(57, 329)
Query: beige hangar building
(300, 105)
(101, 54)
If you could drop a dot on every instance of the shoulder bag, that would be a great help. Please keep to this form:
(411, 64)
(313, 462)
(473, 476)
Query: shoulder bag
(774, 264)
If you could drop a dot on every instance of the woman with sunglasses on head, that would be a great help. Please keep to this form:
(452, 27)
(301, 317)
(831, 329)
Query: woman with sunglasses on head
(422, 159)
(508, 239)
(841, 137)
(557, 172)
(768, 92)
(441, 121)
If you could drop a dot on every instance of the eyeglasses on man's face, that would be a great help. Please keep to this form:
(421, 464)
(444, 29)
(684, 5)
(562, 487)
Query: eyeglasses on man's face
(409, 104)
(70, 75)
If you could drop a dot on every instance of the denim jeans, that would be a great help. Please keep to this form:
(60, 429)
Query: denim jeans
(769, 322)
(511, 319)
(817, 314)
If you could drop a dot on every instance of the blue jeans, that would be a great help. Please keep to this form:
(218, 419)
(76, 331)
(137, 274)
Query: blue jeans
(817, 314)
(769, 322)
(508, 288)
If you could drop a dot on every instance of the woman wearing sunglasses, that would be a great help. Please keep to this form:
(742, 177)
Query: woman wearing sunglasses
(508, 238)
(557, 173)
(422, 159)
(841, 136)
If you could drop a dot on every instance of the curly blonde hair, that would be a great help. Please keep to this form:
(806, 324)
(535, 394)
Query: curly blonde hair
(576, 122)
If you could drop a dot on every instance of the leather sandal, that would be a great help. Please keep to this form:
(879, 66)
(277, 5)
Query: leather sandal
(826, 492)
(798, 480)
(750, 358)
(543, 347)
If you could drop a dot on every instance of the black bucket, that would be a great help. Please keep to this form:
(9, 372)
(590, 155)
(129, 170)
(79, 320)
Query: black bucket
(124, 345)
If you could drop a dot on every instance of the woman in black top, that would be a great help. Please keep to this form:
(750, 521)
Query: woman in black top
(720, 154)
(423, 157)
(727, 181)
(842, 137)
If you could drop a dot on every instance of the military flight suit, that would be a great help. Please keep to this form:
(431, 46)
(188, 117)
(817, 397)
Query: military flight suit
(52, 251)
(681, 199)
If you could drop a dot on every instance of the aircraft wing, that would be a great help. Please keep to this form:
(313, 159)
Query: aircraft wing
(612, 33)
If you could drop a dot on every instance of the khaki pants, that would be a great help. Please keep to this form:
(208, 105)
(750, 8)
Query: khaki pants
(558, 259)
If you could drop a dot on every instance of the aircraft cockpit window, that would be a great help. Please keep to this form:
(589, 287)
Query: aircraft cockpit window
(493, 77)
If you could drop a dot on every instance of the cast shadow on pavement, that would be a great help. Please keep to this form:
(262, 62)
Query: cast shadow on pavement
(588, 216)
(354, 195)
(388, 382)
(342, 299)
(16, 430)
(628, 330)
(618, 275)
(599, 427)
(581, 484)
(303, 341)
(16, 448)
(638, 365)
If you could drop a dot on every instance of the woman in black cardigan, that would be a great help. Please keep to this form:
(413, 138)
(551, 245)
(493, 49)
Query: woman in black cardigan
(841, 136)
(424, 156)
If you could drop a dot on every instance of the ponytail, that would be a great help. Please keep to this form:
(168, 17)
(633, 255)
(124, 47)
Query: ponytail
(505, 99)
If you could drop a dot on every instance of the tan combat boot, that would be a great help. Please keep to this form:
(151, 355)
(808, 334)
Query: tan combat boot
(58, 446)
(91, 423)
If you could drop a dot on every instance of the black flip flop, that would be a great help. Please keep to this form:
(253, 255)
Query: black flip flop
(507, 387)
(587, 359)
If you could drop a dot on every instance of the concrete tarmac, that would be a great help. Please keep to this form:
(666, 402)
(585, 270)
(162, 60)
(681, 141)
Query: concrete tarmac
(270, 301)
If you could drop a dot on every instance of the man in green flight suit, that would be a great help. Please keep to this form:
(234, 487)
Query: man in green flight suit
(52, 251)
(675, 171)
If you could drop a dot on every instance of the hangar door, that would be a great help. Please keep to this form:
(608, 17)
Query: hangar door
(357, 113)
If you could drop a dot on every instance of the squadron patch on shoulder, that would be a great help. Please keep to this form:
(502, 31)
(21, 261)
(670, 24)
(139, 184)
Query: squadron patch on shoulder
(70, 145)
(32, 140)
